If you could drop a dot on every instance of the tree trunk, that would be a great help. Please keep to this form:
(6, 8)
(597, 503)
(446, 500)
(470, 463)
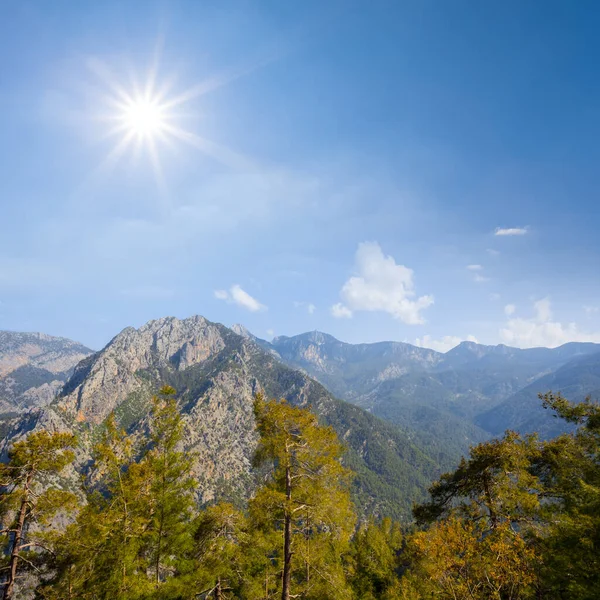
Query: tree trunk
(287, 539)
(307, 537)
(489, 501)
(14, 555)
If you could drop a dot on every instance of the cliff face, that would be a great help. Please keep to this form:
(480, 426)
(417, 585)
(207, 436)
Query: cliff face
(217, 373)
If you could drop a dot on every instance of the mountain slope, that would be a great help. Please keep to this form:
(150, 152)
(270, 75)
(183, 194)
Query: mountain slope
(352, 370)
(217, 372)
(437, 396)
(33, 367)
(524, 412)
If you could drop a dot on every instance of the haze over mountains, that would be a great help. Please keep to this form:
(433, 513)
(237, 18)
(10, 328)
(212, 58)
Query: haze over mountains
(406, 413)
(461, 396)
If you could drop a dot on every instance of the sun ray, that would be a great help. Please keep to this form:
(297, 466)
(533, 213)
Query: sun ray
(220, 153)
(146, 116)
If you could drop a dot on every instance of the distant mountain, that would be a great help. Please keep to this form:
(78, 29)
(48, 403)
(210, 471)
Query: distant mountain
(439, 396)
(352, 371)
(33, 368)
(576, 380)
(217, 372)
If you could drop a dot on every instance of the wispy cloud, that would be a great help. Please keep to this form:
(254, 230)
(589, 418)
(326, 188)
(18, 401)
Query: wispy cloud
(236, 295)
(380, 284)
(541, 329)
(493, 252)
(339, 311)
(478, 276)
(511, 231)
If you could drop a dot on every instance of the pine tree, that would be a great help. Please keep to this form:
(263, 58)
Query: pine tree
(306, 500)
(25, 502)
(220, 540)
(135, 532)
(484, 515)
(376, 551)
(569, 468)
(102, 557)
(170, 501)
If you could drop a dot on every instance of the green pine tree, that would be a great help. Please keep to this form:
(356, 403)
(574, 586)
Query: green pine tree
(169, 504)
(376, 551)
(303, 512)
(29, 498)
(101, 556)
(569, 468)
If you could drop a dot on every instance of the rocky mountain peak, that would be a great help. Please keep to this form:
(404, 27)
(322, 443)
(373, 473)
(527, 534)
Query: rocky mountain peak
(243, 331)
(99, 383)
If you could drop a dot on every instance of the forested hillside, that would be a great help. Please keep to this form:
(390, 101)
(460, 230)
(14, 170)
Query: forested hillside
(518, 519)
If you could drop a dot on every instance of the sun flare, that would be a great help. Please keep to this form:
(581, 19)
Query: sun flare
(144, 118)
(148, 118)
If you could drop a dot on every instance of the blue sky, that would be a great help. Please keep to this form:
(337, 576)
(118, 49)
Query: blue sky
(347, 167)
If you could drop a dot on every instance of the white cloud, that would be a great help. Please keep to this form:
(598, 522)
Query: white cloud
(236, 295)
(492, 252)
(475, 267)
(541, 330)
(443, 344)
(494, 296)
(480, 278)
(510, 309)
(590, 310)
(311, 309)
(339, 311)
(511, 231)
(381, 285)
(270, 333)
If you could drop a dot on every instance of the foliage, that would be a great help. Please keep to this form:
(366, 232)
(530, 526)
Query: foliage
(376, 549)
(518, 519)
(27, 507)
(306, 499)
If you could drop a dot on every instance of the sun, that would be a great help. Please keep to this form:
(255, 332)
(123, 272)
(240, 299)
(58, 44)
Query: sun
(144, 118)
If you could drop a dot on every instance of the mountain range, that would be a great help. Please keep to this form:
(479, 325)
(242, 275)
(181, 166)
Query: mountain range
(451, 400)
(405, 413)
(217, 373)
